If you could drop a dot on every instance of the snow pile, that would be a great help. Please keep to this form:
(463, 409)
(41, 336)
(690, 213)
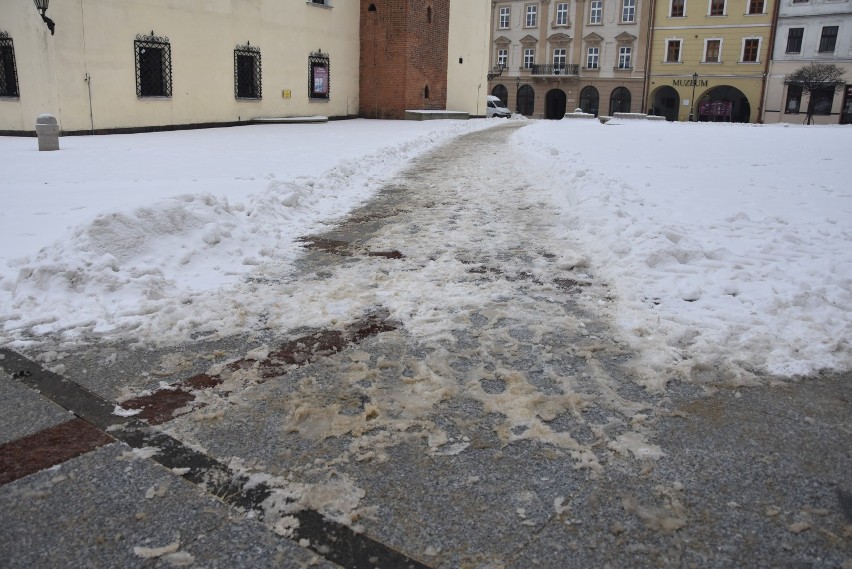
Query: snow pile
(159, 220)
(722, 242)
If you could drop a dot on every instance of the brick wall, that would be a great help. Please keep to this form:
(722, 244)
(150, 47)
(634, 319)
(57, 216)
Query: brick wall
(403, 53)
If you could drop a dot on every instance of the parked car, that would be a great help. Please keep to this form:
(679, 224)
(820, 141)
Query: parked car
(495, 108)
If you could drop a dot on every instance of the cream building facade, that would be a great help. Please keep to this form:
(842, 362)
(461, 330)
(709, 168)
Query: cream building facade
(131, 65)
(551, 56)
(810, 31)
(709, 59)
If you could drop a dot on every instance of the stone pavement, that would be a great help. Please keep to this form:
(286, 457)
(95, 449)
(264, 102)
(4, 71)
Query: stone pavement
(478, 413)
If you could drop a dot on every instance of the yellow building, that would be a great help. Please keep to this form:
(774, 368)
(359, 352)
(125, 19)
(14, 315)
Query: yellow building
(709, 59)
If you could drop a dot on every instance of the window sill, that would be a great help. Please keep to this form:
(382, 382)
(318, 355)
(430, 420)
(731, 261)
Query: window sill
(711, 63)
(154, 97)
(309, 3)
(319, 99)
(749, 62)
(248, 99)
(10, 97)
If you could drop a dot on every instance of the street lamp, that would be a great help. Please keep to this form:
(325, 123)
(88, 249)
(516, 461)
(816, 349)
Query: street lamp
(41, 6)
(692, 108)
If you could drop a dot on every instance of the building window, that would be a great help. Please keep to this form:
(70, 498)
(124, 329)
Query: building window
(596, 12)
(822, 100)
(628, 11)
(502, 57)
(504, 17)
(756, 6)
(751, 47)
(673, 51)
(8, 70)
(559, 58)
(562, 14)
(624, 54)
(593, 56)
(529, 57)
(429, 14)
(828, 39)
(247, 77)
(794, 40)
(677, 9)
(717, 7)
(794, 99)
(319, 78)
(532, 16)
(153, 66)
(712, 51)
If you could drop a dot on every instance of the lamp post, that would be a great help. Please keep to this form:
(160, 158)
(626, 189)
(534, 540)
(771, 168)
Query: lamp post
(41, 6)
(692, 101)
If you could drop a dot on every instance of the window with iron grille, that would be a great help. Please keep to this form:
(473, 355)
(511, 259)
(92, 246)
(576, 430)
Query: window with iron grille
(677, 9)
(596, 12)
(794, 99)
(504, 17)
(756, 6)
(750, 50)
(624, 56)
(794, 40)
(717, 7)
(8, 71)
(153, 66)
(628, 11)
(319, 78)
(247, 72)
(822, 100)
(593, 57)
(673, 51)
(562, 14)
(828, 39)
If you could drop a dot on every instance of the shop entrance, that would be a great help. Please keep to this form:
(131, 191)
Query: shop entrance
(724, 104)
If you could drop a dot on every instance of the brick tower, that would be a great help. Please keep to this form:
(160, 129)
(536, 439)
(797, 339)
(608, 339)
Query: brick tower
(404, 50)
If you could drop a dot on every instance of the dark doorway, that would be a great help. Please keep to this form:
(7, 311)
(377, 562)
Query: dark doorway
(590, 100)
(619, 101)
(554, 104)
(526, 100)
(501, 93)
(666, 101)
(724, 104)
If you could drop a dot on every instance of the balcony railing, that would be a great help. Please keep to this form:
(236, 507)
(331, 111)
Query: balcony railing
(552, 69)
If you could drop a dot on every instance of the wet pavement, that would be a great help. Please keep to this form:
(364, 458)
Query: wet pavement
(477, 410)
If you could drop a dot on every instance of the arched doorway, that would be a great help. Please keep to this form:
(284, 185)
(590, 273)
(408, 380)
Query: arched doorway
(526, 100)
(666, 101)
(619, 101)
(589, 100)
(501, 93)
(724, 104)
(554, 104)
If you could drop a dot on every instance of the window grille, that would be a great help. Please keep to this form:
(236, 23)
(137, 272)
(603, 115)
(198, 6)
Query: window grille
(153, 66)
(247, 72)
(8, 70)
(319, 75)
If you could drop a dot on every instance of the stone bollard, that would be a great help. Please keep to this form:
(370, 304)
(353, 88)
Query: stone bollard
(48, 132)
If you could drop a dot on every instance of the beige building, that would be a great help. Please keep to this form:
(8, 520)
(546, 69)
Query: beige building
(130, 65)
(709, 59)
(550, 56)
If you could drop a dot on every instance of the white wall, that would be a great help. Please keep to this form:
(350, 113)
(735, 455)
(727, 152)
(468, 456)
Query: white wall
(467, 83)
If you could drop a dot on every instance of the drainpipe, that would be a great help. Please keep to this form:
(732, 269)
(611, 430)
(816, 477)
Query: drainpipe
(769, 56)
(648, 46)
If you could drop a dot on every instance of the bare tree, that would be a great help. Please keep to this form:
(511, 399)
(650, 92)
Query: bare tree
(814, 78)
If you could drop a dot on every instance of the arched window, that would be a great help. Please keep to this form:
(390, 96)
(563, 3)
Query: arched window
(589, 100)
(619, 101)
(371, 8)
(501, 93)
(426, 92)
(526, 100)
(429, 14)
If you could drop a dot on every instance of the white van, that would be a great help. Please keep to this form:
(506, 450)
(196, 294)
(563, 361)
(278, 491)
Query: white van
(494, 108)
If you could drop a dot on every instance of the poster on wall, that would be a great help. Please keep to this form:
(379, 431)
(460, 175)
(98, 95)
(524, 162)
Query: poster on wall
(320, 81)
